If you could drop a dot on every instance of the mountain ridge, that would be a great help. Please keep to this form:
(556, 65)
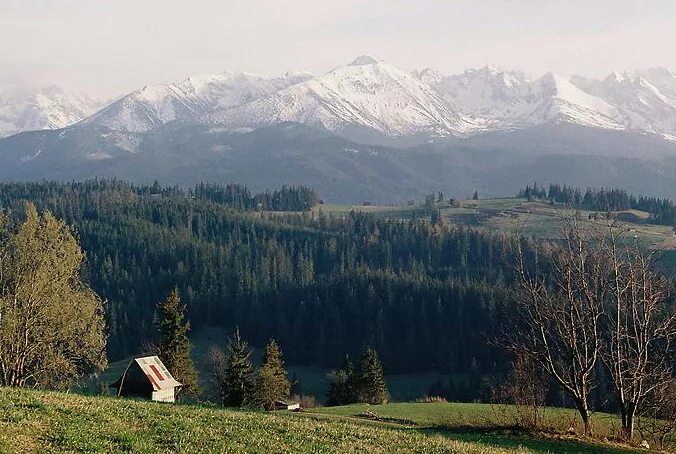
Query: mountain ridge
(370, 131)
(372, 95)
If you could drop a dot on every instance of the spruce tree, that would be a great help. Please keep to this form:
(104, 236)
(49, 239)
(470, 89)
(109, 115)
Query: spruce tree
(371, 385)
(271, 382)
(173, 346)
(237, 378)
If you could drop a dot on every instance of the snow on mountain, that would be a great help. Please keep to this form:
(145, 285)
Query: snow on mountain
(645, 100)
(560, 100)
(188, 100)
(493, 97)
(428, 76)
(366, 93)
(47, 108)
(662, 78)
(508, 99)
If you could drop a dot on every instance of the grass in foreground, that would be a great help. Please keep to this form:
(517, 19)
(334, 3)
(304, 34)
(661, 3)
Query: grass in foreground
(32, 421)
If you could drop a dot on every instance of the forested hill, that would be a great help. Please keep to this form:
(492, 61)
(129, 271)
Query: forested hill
(426, 296)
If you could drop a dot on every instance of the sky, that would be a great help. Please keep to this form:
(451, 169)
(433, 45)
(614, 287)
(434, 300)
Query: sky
(112, 47)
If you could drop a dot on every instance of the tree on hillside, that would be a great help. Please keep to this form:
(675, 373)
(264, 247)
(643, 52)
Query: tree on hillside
(271, 383)
(640, 325)
(560, 305)
(51, 323)
(173, 345)
(370, 381)
(232, 371)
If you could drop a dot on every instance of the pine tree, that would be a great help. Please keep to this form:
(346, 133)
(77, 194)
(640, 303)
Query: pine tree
(371, 385)
(271, 382)
(237, 374)
(173, 346)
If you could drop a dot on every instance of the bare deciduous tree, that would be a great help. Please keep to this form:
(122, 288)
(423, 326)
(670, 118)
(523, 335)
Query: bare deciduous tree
(596, 296)
(639, 325)
(560, 304)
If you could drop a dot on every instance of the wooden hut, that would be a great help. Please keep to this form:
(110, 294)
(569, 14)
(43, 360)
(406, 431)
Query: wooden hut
(284, 405)
(147, 378)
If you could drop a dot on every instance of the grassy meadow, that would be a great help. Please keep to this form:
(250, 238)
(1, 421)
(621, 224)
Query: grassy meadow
(51, 422)
(515, 215)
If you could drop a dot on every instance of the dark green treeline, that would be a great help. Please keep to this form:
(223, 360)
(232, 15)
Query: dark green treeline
(425, 296)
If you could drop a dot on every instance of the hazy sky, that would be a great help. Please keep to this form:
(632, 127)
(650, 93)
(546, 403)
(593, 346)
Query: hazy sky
(113, 46)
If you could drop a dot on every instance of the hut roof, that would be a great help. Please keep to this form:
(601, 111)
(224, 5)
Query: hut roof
(157, 374)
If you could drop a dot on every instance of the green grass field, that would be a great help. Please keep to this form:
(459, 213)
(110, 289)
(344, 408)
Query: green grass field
(50, 422)
(514, 215)
(470, 415)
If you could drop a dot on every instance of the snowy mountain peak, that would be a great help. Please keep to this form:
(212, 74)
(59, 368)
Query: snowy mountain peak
(615, 78)
(563, 101)
(645, 99)
(47, 108)
(189, 100)
(363, 60)
(370, 96)
(554, 81)
(428, 76)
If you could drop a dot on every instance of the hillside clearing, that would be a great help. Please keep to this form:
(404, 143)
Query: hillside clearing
(515, 215)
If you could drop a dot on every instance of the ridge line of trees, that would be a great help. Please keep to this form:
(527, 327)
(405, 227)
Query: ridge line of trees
(662, 210)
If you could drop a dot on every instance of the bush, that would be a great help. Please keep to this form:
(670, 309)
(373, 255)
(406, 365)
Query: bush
(525, 388)
(305, 401)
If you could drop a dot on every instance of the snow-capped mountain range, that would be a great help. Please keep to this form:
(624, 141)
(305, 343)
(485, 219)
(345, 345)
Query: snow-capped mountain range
(190, 100)
(371, 95)
(47, 108)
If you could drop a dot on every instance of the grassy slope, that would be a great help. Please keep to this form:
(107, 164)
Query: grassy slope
(477, 423)
(516, 215)
(470, 415)
(32, 421)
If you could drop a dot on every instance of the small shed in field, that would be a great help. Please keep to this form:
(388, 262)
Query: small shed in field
(283, 405)
(147, 378)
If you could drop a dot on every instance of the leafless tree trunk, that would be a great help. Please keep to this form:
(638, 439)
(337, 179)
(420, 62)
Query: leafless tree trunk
(560, 305)
(639, 326)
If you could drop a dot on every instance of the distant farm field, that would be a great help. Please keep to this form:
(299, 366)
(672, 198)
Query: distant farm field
(518, 216)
